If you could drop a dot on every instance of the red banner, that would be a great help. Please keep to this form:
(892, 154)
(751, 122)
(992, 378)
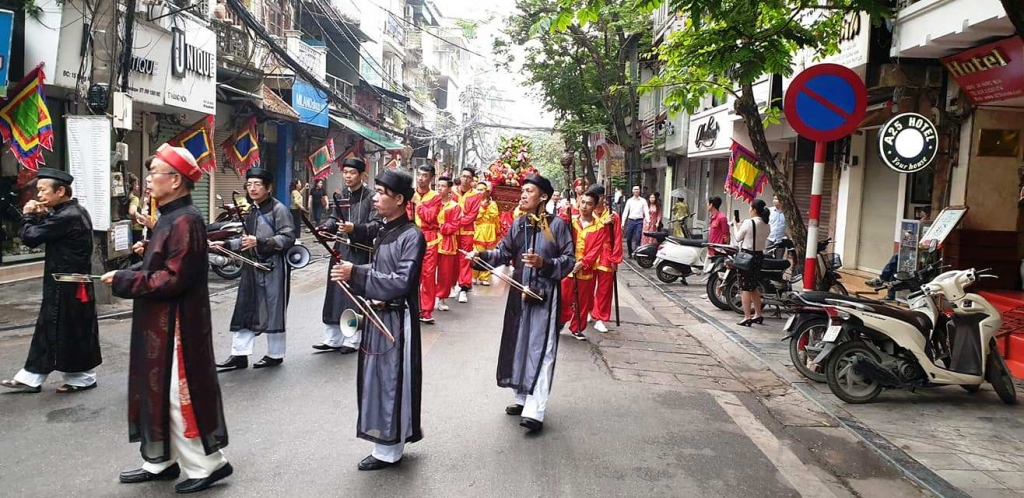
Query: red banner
(990, 73)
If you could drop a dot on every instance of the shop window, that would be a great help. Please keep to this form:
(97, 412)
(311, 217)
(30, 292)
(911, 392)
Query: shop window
(999, 143)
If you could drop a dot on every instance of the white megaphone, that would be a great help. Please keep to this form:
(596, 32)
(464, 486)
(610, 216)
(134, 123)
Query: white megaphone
(351, 323)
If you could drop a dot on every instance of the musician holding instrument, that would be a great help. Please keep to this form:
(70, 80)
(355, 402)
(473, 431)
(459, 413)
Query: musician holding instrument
(354, 208)
(262, 302)
(390, 364)
(175, 410)
(66, 338)
(540, 246)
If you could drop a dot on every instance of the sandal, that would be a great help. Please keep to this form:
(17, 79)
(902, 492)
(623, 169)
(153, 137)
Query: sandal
(19, 387)
(68, 388)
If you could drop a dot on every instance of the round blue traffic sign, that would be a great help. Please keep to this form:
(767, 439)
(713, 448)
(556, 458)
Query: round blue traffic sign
(826, 102)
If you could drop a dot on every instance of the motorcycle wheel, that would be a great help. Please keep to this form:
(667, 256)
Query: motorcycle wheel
(230, 271)
(733, 295)
(846, 384)
(811, 332)
(998, 375)
(668, 278)
(644, 261)
(716, 292)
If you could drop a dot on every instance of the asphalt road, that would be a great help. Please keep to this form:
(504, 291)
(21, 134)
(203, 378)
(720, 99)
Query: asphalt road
(292, 428)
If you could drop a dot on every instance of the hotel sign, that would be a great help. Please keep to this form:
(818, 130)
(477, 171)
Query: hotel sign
(990, 73)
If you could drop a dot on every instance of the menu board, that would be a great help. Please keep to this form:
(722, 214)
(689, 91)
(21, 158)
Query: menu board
(89, 163)
(944, 224)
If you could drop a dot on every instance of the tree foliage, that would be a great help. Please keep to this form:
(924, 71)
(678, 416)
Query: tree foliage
(582, 69)
(724, 47)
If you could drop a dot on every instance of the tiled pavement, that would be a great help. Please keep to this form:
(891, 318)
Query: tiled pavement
(949, 438)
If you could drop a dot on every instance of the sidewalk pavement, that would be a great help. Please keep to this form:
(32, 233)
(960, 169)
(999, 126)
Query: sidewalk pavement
(950, 442)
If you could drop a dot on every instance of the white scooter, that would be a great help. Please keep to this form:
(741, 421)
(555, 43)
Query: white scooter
(680, 257)
(882, 346)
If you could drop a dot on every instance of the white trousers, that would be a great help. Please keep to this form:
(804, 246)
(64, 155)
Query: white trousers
(388, 453)
(188, 453)
(334, 339)
(535, 404)
(242, 342)
(79, 379)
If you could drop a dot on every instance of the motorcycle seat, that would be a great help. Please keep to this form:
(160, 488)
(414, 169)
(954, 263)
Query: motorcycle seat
(774, 264)
(687, 242)
(919, 320)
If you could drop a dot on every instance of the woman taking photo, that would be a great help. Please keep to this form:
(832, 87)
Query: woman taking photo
(653, 221)
(751, 237)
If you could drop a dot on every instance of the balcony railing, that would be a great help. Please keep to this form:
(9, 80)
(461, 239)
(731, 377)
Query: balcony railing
(394, 28)
(341, 87)
(234, 46)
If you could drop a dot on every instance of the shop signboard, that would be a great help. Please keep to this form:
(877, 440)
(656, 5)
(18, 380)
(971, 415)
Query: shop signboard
(710, 134)
(89, 163)
(944, 224)
(310, 103)
(191, 82)
(854, 41)
(908, 142)
(990, 73)
(6, 25)
(910, 230)
(151, 56)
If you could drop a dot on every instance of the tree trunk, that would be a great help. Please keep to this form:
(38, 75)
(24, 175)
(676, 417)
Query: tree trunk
(586, 160)
(1015, 12)
(746, 107)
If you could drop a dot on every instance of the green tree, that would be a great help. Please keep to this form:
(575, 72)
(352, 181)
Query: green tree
(583, 69)
(725, 46)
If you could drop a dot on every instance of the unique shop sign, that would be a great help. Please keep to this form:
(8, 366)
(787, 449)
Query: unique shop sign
(908, 142)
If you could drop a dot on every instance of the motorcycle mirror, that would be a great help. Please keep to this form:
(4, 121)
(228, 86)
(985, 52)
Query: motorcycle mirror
(219, 198)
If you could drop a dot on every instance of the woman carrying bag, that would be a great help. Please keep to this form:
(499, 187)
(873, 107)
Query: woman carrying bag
(751, 237)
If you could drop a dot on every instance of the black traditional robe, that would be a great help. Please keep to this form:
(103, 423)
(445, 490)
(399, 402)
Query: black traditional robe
(261, 304)
(360, 211)
(529, 326)
(171, 293)
(67, 336)
(390, 374)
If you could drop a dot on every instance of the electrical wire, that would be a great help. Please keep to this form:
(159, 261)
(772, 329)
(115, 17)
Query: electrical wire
(414, 25)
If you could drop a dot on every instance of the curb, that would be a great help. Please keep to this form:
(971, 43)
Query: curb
(911, 468)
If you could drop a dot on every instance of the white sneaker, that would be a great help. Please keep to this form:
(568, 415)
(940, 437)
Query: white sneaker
(599, 326)
(463, 297)
(442, 305)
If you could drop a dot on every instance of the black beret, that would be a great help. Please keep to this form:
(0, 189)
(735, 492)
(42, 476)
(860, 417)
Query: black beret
(354, 163)
(260, 173)
(55, 174)
(542, 183)
(396, 181)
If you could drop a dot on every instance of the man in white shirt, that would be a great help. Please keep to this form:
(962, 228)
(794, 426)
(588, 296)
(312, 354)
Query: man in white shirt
(777, 222)
(555, 203)
(633, 217)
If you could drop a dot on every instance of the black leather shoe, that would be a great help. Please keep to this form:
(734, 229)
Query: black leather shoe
(194, 485)
(324, 347)
(233, 363)
(531, 425)
(347, 350)
(514, 409)
(141, 475)
(371, 463)
(267, 361)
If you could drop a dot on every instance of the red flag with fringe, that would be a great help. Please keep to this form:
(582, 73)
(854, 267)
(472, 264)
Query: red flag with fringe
(198, 139)
(242, 149)
(320, 160)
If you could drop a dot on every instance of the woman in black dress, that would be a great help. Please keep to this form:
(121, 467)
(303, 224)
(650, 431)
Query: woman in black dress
(752, 237)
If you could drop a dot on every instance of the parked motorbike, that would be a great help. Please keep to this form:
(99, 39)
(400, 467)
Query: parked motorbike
(647, 253)
(806, 328)
(778, 286)
(717, 270)
(679, 257)
(871, 346)
(225, 267)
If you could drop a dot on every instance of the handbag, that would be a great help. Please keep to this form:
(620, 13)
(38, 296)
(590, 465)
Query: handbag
(743, 260)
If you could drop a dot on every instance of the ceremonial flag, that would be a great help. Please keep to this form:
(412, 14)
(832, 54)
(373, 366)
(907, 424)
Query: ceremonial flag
(25, 120)
(242, 149)
(320, 160)
(746, 179)
(198, 139)
(392, 162)
(356, 151)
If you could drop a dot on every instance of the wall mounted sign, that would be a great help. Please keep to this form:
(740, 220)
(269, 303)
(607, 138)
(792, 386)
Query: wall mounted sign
(310, 103)
(707, 134)
(6, 27)
(990, 73)
(908, 142)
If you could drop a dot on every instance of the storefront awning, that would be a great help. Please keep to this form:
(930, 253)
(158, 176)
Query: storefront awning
(227, 89)
(397, 97)
(275, 105)
(367, 133)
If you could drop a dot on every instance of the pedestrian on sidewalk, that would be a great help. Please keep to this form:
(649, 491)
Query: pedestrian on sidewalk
(652, 223)
(354, 208)
(752, 238)
(718, 224)
(633, 217)
(174, 401)
(541, 249)
(66, 337)
(590, 237)
(450, 222)
(608, 266)
(390, 373)
(297, 206)
(424, 209)
(318, 201)
(777, 224)
(469, 202)
(261, 304)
